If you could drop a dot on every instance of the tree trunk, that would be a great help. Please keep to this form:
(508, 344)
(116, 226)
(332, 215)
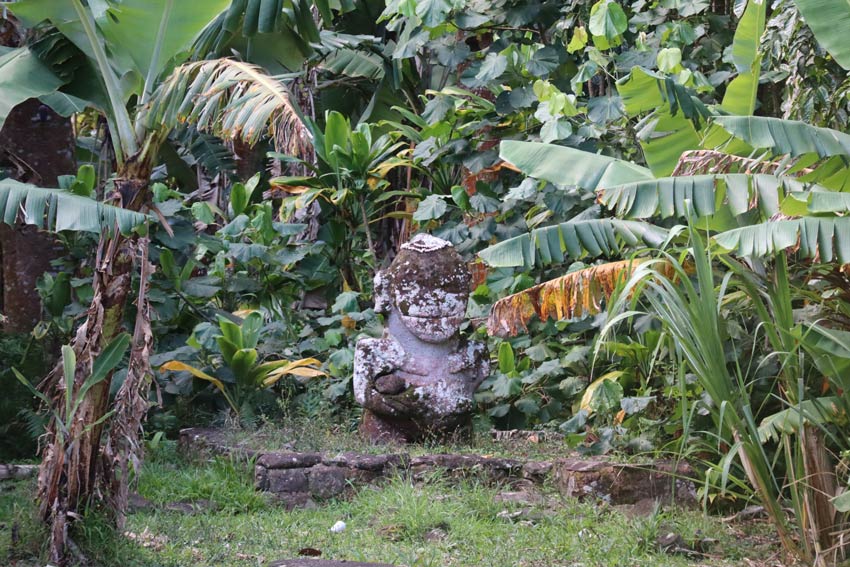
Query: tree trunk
(75, 469)
(37, 145)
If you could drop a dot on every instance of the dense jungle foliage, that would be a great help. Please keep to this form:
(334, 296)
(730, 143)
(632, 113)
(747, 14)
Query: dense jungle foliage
(651, 194)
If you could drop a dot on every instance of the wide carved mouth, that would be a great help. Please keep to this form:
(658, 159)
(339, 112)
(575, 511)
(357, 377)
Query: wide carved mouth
(432, 329)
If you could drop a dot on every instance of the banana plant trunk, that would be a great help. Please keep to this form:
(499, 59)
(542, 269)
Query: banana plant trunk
(74, 471)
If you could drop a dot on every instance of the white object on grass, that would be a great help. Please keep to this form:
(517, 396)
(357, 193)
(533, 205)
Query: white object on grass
(338, 527)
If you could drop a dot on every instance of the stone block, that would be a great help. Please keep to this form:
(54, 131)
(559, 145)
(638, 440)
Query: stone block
(326, 482)
(286, 480)
(289, 460)
(625, 483)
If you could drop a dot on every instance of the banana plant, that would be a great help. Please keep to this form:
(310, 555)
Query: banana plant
(72, 399)
(143, 94)
(244, 373)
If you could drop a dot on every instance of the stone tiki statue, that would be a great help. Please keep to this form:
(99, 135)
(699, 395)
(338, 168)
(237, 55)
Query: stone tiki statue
(418, 380)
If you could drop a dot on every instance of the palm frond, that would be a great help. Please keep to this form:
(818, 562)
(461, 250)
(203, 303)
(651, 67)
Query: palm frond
(56, 210)
(578, 293)
(230, 99)
(572, 239)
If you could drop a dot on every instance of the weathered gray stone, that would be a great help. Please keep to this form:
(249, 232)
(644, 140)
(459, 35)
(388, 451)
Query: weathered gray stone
(536, 470)
(286, 480)
(374, 463)
(289, 460)
(622, 483)
(466, 462)
(327, 482)
(293, 500)
(418, 380)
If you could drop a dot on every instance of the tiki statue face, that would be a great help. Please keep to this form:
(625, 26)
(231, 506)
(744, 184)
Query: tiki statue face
(428, 283)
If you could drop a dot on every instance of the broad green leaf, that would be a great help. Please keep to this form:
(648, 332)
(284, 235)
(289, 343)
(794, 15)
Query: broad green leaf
(829, 20)
(433, 12)
(664, 136)
(786, 137)
(242, 362)
(567, 166)
(505, 387)
(57, 210)
(826, 238)
(669, 59)
(252, 326)
(238, 198)
(110, 357)
(432, 207)
(603, 394)
(64, 104)
(23, 77)
(133, 26)
(556, 129)
(578, 41)
(742, 93)
(574, 240)
(842, 502)
(608, 20)
(492, 67)
(353, 63)
(507, 361)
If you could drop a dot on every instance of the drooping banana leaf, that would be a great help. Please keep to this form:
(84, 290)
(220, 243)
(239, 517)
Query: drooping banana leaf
(817, 410)
(704, 195)
(230, 99)
(574, 239)
(797, 140)
(827, 238)
(576, 294)
(56, 210)
(353, 63)
(567, 166)
(786, 137)
(830, 22)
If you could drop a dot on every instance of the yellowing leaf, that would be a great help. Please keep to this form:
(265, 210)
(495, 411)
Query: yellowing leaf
(574, 295)
(587, 400)
(178, 366)
(296, 368)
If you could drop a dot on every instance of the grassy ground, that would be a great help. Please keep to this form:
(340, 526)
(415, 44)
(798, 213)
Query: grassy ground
(434, 524)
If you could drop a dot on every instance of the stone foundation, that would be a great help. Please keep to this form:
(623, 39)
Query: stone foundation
(303, 479)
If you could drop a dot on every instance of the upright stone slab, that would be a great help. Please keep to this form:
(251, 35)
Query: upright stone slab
(418, 380)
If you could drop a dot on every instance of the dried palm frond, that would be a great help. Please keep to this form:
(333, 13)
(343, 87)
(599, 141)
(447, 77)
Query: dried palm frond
(233, 100)
(576, 294)
(705, 162)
